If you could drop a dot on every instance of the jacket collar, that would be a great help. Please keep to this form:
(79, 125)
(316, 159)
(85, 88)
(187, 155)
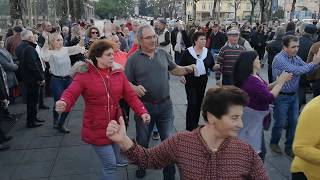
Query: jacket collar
(30, 43)
(83, 67)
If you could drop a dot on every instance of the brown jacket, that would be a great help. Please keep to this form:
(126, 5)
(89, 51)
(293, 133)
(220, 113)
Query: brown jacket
(313, 51)
(12, 43)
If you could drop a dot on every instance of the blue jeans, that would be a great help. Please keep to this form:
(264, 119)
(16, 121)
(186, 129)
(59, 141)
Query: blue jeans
(58, 85)
(227, 80)
(285, 108)
(109, 156)
(161, 115)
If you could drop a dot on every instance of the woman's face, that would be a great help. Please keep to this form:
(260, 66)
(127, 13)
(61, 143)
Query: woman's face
(257, 64)
(115, 39)
(229, 124)
(201, 41)
(106, 60)
(58, 42)
(94, 34)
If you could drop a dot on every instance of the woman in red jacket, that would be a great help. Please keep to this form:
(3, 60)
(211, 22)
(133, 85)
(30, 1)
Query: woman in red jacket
(101, 84)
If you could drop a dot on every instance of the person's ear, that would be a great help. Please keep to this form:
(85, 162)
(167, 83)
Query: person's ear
(211, 118)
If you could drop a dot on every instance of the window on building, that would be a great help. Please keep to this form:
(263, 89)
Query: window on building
(203, 5)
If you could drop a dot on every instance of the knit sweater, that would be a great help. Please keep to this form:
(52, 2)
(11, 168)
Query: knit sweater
(233, 160)
(227, 59)
(306, 146)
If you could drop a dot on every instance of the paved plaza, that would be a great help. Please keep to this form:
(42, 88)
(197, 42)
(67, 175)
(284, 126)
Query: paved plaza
(45, 154)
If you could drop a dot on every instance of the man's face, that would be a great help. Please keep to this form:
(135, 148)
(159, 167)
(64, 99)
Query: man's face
(149, 39)
(233, 39)
(292, 48)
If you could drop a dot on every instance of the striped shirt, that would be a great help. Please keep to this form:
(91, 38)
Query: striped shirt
(295, 65)
(227, 58)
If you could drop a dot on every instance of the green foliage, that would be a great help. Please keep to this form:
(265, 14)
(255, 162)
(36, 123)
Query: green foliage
(110, 8)
(279, 14)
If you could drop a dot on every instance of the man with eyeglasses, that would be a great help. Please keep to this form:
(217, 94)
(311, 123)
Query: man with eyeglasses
(286, 106)
(147, 70)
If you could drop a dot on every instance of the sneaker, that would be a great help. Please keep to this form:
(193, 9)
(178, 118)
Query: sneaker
(289, 153)
(140, 173)
(275, 148)
(155, 136)
(124, 164)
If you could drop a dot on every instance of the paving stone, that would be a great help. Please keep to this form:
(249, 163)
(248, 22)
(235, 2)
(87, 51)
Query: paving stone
(45, 142)
(94, 176)
(40, 155)
(12, 157)
(6, 171)
(33, 170)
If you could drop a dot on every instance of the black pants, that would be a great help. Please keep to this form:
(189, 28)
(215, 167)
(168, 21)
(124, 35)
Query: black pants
(41, 95)
(2, 136)
(195, 93)
(47, 77)
(270, 78)
(299, 176)
(32, 101)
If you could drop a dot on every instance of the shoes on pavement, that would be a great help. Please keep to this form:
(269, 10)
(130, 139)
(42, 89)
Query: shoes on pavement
(43, 107)
(8, 138)
(40, 120)
(140, 173)
(275, 148)
(63, 129)
(155, 136)
(289, 153)
(4, 147)
(34, 125)
(123, 164)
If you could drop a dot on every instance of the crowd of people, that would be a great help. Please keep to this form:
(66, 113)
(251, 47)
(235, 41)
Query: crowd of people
(128, 66)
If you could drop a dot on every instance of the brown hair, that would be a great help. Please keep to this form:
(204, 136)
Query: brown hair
(90, 29)
(97, 48)
(218, 100)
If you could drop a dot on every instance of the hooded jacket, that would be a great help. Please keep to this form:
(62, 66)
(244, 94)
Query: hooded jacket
(101, 96)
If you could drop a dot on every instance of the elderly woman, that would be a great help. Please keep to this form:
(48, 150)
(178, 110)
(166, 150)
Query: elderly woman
(195, 84)
(60, 67)
(246, 76)
(306, 147)
(209, 152)
(93, 34)
(101, 100)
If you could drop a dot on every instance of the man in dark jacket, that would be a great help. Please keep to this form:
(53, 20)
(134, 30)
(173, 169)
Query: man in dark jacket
(305, 42)
(273, 48)
(32, 75)
(4, 95)
(217, 40)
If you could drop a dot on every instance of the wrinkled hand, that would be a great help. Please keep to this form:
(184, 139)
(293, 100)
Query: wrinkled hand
(284, 77)
(183, 80)
(140, 90)
(191, 68)
(61, 106)
(216, 67)
(116, 132)
(146, 118)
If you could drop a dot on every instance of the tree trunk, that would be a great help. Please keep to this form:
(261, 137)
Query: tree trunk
(214, 10)
(293, 7)
(235, 11)
(218, 14)
(15, 10)
(263, 10)
(194, 11)
(253, 5)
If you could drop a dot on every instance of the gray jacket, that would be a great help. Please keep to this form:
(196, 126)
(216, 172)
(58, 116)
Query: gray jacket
(9, 67)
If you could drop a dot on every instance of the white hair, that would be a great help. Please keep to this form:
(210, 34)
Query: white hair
(26, 35)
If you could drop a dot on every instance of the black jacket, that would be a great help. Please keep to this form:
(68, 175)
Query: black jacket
(30, 63)
(217, 41)
(305, 43)
(273, 48)
(174, 33)
(77, 57)
(3, 86)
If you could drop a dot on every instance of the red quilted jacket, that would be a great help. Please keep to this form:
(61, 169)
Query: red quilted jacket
(100, 107)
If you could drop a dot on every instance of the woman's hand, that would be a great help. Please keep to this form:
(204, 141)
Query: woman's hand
(117, 133)
(146, 118)
(61, 106)
(284, 77)
(183, 80)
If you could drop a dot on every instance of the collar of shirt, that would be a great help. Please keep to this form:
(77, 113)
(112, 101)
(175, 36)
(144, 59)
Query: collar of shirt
(142, 53)
(287, 55)
(233, 46)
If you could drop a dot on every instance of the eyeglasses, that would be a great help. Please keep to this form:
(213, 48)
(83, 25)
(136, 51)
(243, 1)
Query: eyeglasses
(151, 37)
(94, 32)
(292, 47)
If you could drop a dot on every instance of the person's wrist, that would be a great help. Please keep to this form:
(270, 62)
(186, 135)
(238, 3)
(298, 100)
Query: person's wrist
(125, 143)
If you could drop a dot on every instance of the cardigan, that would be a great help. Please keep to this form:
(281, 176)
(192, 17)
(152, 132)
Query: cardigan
(234, 159)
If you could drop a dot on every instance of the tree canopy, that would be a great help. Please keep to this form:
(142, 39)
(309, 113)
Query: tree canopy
(110, 8)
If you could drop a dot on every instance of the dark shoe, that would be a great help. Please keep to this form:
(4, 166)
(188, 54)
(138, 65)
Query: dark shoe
(289, 153)
(140, 173)
(275, 148)
(34, 125)
(8, 138)
(43, 107)
(4, 147)
(9, 117)
(63, 129)
(55, 126)
(155, 136)
(40, 120)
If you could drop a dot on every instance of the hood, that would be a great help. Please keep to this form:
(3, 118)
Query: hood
(83, 67)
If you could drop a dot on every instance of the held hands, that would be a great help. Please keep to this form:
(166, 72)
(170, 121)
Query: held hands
(284, 77)
(191, 68)
(61, 106)
(146, 118)
(183, 80)
(116, 132)
(216, 67)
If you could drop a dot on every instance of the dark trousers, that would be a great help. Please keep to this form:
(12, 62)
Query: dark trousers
(41, 96)
(47, 77)
(270, 78)
(227, 80)
(32, 91)
(2, 136)
(195, 94)
(299, 176)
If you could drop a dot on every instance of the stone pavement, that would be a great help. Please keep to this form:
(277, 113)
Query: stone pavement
(45, 154)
